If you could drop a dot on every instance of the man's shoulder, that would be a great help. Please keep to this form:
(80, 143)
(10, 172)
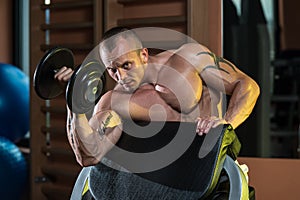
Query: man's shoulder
(192, 54)
(191, 47)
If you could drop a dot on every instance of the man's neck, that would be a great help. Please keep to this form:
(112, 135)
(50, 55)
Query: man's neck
(151, 72)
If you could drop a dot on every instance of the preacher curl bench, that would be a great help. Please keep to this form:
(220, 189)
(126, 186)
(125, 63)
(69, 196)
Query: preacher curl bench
(199, 169)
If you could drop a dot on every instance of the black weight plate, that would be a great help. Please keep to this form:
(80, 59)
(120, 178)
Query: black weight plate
(85, 87)
(44, 83)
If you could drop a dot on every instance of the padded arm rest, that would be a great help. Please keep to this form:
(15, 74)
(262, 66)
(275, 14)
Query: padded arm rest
(195, 161)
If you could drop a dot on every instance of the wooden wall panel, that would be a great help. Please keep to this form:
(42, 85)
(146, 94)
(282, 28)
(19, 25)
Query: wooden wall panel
(205, 23)
(6, 26)
(73, 24)
(81, 36)
(80, 14)
(289, 24)
(113, 12)
(169, 8)
(37, 118)
(273, 178)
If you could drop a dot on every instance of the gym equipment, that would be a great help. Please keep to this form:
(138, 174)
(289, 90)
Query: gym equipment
(189, 172)
(84, 88)
(14, 102)
(13, 170)
(44, 83)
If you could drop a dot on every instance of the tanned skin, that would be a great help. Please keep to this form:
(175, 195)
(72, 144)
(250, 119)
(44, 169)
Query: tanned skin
(185, 84)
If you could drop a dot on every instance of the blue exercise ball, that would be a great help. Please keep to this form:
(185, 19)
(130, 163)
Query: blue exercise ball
(14, 102)
(13, 170)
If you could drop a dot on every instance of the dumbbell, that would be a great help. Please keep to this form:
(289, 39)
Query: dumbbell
(84, 88)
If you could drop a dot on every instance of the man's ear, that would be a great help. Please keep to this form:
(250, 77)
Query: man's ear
(144, 55)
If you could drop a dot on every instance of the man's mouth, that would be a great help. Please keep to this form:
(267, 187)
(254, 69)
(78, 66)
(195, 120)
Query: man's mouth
(128, 84)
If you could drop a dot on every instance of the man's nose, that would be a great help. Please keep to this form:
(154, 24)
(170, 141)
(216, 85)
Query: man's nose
(121, 74)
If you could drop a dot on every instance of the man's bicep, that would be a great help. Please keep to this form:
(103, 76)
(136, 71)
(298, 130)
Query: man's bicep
(104, 103)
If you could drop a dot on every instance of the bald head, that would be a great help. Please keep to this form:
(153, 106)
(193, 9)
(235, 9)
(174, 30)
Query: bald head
(112, 37)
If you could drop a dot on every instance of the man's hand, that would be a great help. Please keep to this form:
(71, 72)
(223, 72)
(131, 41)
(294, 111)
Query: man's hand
(204, 124)
(63, 76)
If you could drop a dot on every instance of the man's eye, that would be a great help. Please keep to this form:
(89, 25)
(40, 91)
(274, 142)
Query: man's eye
(126, 65)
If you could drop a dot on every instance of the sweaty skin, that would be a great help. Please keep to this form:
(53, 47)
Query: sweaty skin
(187, 84)
(188, 79)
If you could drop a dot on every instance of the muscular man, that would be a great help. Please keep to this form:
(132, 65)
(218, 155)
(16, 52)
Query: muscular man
(183, 78)
(185, 84)
(189, 81)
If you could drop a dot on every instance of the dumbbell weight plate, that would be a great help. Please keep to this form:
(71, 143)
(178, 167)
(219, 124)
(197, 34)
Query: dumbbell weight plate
(85, 87)
(44, 83)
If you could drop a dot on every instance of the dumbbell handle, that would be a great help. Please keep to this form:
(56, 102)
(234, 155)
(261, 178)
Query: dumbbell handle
(82, 90)
(44, 83)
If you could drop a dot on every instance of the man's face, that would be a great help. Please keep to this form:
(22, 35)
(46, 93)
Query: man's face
(124, 65)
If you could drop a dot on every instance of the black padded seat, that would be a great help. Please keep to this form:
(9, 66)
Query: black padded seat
(193, 170)
(195, 164)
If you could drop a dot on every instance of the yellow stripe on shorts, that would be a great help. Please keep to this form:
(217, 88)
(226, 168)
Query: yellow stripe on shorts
(86, 187)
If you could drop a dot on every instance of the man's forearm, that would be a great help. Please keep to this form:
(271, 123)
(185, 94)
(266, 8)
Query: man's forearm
(84, 140)
(242, 102)
(145, 104)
